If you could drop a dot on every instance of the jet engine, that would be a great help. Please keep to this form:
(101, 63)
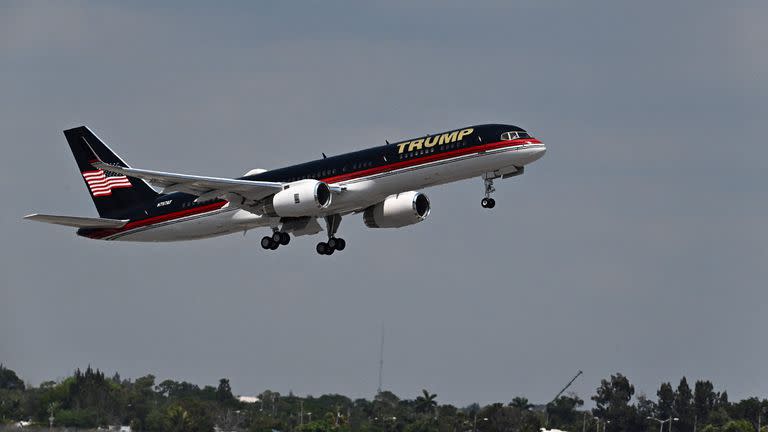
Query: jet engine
(397, 211)
(300, 198)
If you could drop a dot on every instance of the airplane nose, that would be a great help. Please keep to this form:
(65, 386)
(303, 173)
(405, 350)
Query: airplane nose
(535, 153)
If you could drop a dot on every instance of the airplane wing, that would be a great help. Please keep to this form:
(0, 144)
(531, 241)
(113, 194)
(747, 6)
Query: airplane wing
(204, 187)
(77, 221)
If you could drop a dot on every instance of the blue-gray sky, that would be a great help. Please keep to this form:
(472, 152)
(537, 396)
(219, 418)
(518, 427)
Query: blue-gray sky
(637, 244)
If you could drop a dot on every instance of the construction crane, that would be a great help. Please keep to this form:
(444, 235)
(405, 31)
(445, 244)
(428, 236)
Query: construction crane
(566, 387)
(560, 393)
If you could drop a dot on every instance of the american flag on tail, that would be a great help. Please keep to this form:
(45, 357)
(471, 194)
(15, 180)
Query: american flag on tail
(102, 185)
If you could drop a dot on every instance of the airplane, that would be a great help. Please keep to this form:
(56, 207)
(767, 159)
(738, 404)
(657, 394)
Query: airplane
(381, 183)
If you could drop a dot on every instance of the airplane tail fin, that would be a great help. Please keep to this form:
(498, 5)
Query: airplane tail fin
(114, 195)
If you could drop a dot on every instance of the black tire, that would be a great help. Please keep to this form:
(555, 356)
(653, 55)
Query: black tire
(274, 245)
(333, 242)
(485, 202)
(491, 203)
(330, 251)
(277, 236)
(340, 244)
(285, 238)
(322, 248)
(266, 242)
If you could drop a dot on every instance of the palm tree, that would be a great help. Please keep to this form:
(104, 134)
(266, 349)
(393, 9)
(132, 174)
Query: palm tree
(426, 402)
(177, 419)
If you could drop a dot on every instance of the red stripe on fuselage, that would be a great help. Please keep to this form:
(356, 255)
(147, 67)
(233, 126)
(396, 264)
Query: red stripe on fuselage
(335, 179)
(157, 219)
(430, 158)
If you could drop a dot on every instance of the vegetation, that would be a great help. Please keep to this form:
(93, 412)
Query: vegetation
(89, 399)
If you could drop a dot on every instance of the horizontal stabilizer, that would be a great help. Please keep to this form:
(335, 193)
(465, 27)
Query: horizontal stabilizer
(77, 221)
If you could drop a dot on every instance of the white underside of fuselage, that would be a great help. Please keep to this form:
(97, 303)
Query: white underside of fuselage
(359, 194)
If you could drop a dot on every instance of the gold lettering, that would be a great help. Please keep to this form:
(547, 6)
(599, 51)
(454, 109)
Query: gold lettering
(415, 145)
(431, 141)
(447, 138)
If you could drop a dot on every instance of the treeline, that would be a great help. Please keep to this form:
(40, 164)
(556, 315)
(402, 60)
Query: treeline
(89, 399)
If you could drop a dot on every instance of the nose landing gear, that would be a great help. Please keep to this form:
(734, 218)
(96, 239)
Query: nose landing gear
(488, 202)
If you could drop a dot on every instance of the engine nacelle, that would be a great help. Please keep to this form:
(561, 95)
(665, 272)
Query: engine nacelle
(397, 211)
(300, 198)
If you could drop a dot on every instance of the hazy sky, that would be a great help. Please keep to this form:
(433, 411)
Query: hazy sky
(638, 244)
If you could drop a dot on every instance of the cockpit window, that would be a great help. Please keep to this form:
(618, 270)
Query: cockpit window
(506, 136)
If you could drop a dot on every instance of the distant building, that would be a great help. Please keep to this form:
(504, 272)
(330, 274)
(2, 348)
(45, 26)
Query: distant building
(249, 399)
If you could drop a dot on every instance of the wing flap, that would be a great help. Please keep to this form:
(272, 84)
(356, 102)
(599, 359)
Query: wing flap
(77, 221)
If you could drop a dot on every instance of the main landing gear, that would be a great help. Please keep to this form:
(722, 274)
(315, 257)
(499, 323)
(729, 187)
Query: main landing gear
(488, 202)
(333, 244)
(275, 240)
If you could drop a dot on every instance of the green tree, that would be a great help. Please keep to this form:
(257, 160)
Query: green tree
(562, 411)
(177, 419)
(224, 392)
(745, 408)
(386, 405)
(139, 397)
(9, 380)
(665, 401)
(188, 416)
(683, 407)
(521, 403)
(178, 390)
(155, 421)
(645, 407)
(704, 399)
(264, 423)
(612, 404)
(738, 426)
(426, 403)
(11, 405)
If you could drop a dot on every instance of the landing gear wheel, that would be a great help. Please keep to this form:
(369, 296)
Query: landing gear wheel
(277, 236)
(340, 244)
(285, 238)
(274, 245)
(322, 248)
(266, 242)
(488, 203)
(333, 242)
